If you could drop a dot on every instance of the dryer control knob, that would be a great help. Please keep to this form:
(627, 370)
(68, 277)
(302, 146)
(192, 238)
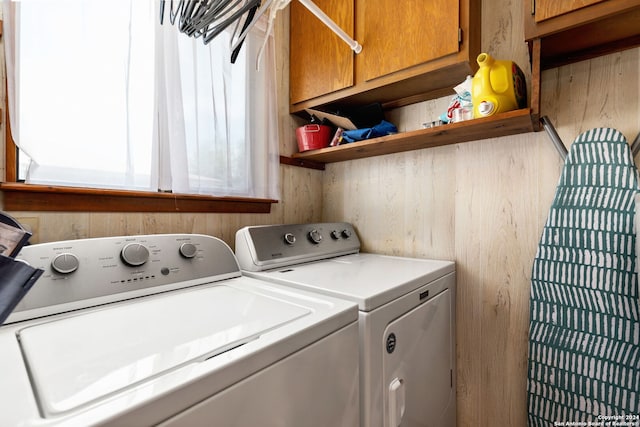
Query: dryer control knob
(65, 263)
(188, 250)
(134, 254)
(335, 234)
(315, 236)
(289, 238)
(346, 233)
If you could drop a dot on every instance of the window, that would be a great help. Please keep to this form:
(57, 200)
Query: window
(103, 96)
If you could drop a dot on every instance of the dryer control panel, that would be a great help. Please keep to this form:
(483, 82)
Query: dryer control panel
(260, 248)
(87, 272)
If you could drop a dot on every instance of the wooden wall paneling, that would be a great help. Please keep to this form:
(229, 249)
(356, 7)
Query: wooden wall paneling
(213, 225)
(494, 249)
(495, 244)
(413, 116)
(117, 224)
(302, 194)
(599, 92)
(386, 210)
(429, 203)
(59, 226)
(229, 225)
(343, 199)
(470, 267)
(427, 190)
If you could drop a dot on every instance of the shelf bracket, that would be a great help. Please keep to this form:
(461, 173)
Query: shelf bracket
(553, 135)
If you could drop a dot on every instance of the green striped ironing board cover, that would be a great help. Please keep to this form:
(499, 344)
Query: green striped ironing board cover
(584, 332)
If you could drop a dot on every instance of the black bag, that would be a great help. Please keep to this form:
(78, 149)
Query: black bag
(16, 277)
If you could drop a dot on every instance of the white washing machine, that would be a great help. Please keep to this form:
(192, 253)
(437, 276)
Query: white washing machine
(406, 320)
(163, 329)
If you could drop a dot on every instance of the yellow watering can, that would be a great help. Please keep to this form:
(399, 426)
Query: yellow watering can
(497, 86)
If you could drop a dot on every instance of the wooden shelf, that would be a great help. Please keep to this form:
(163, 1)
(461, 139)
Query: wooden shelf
(510, 123)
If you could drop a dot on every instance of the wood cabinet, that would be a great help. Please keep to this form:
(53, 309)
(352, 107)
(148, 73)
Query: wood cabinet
(557, 31)
(545, 9)
(412, 51)
(573, 30)
(319, 61)
(400, 35)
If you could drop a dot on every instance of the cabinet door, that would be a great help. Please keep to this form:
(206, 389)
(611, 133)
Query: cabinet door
(320, 62)
(397, 35)
(546, 9)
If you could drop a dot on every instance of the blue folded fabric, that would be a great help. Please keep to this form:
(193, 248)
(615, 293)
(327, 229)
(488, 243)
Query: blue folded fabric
(381, 129)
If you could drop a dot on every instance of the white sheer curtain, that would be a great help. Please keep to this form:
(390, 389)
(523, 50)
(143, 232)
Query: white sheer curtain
(102, 95)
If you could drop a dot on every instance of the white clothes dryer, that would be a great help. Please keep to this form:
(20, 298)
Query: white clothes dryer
(163, 329)
(406, 320)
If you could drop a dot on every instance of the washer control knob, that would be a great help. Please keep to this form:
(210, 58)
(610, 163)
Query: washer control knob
(134, 254)
(315, 236)
(346, 233)
(65, 263)
(289, 238)
(335, 234)
(188, 250)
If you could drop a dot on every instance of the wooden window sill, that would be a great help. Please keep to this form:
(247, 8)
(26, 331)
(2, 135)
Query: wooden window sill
(29, 197)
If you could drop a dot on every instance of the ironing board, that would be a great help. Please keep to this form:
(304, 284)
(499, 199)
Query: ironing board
(584, 332)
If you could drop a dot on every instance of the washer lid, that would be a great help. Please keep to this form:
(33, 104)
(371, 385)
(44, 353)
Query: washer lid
(370, 280)
(79, 359)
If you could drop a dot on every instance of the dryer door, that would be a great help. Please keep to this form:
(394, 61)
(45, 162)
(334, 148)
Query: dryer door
(418, 365)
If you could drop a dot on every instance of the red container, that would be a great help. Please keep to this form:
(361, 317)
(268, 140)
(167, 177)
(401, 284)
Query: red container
(312, 137)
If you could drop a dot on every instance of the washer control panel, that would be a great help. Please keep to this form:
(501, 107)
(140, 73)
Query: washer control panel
(265, 247)
(86, 272)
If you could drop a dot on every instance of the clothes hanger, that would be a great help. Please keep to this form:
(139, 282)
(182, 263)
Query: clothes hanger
(208, 18)
(214, 11)
(205, 14)
(189, 13)
(255, 19)
(214, 31)
(247, 22)
(173, 14)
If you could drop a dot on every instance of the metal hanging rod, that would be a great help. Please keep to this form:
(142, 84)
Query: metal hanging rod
(555, 138)
(635, 145)
(354, 45)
